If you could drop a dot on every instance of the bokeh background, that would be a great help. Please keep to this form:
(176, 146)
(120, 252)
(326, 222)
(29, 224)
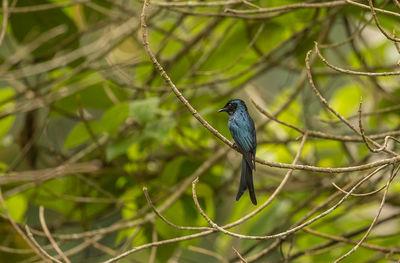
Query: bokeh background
(87, 121)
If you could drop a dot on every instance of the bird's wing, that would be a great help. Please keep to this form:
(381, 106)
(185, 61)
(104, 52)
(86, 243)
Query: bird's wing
(244, 139)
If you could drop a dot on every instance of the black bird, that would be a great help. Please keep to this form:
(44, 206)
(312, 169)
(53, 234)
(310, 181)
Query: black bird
(241, 126)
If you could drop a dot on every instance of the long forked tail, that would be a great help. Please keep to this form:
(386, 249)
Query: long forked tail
(246, 182)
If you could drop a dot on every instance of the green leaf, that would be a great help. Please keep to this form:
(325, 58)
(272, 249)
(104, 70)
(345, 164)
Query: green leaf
(171, 171)
(159, 129)
(119, 147)
(130, 208)
(346, 99)
(7, 122)
(79, 134)
(90, 87)
(114, 117)
(227, 52)
(16, 206)
(144, 110)
(65, 185)
(110, 123)
(3, 167)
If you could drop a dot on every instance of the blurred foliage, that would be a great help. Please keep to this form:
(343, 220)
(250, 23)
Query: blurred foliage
(77, 86)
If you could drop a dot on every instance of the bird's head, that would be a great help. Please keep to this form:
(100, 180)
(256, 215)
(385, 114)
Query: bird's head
(233, 105)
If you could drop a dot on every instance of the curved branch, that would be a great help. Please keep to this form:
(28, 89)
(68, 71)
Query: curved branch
(285, 233)
(383, 11)
(384, 146)
(352, 72)
(48, 234)
(288, 7)
(392, 175)
(371, 6)
(354, 194)
(239, 256)
(330, 108)
(192, 110)
(36, 244)
(349, 241)
(5, 21)
(165, 220)
(19, 230)
(164, 74)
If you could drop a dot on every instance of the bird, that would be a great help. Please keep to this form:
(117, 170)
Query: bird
(241, 127)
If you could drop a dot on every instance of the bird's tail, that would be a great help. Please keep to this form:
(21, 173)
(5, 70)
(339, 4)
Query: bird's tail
(246, 182)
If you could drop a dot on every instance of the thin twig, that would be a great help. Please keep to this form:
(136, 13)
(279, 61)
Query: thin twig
(330, 108)
(38, 8)
(383, 11)
(209, 253)
(352, 72)
(146, 194)
(48, 234)
(349, 241)
(354, 194)
(19, 230)
(164, 74)
(288, 7)
(36, 244)
(239, 256)
(378, 24)
(384, 146)
(153, 252)
(392, 175)
(285, 233)
(5, 21)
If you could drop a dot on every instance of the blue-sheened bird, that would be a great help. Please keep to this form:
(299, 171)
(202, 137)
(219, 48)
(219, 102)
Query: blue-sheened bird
(241, 126)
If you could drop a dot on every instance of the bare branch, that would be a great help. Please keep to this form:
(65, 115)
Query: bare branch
(392, 175)
(240, 256)
(48, 234)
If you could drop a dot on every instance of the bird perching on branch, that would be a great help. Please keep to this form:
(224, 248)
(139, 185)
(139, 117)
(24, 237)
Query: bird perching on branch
(242, 129)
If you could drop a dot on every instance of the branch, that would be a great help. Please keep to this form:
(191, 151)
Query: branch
(384, 146)
(349, 241)
(215, 132)
(48, 234)
(177, 93)
(354, 194)
(379, 24)
(288, 7)
(19, 230)
(5, 12)
(330, 108)
(239, 256)
(36, 244)
(165, 220)
(50, 173)
(352, 72)
(374, 220)
(285, 233)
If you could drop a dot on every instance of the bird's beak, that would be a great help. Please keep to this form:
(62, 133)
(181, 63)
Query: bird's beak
(223, 109)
